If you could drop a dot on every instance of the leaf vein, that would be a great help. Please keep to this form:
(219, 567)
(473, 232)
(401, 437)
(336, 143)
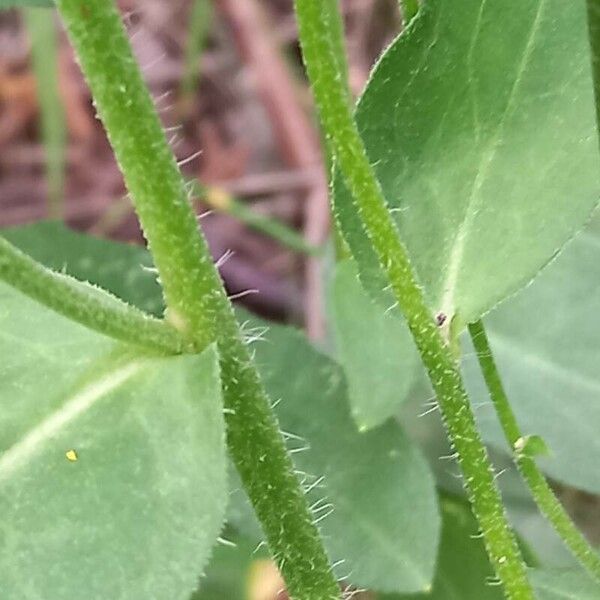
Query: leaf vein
(20, 453)
(488, 156)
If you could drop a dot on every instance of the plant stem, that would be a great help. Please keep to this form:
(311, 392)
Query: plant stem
(335, 26)
(86, 304)
(44, 57)
(331, 99)
(409, 9)
(221, 200)
(195, 298)
(542, 493)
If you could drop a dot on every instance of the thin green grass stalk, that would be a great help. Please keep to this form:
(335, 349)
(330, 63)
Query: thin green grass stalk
(87, 304)
(524, 451)
(201, 18)
(222, 201)
(44, 56)
(196, 301)
(479, 479)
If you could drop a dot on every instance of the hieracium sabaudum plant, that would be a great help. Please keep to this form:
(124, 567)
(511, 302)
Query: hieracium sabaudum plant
(143, 423)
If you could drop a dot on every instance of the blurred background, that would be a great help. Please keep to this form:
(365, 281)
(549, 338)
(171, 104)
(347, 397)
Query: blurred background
(227, 79)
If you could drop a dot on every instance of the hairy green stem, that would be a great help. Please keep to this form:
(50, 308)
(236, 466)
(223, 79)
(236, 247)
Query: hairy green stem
(524, 449)
(409, 9)
(331, 98)
(335, 25)
(196, 301)
(86, 304)
(44, 57)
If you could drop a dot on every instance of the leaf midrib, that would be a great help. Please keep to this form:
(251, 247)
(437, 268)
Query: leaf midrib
(487, 158)
(20, 453)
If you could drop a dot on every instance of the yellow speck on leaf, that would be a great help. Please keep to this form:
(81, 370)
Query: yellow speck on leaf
(71, 455)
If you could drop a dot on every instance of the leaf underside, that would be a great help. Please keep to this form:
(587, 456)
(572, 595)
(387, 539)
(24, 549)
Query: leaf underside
(567, 584)
(375, 349)
(112, 464)
(463, 567)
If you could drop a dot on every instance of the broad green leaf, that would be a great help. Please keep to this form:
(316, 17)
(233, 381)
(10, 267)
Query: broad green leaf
(376, 350)
(463, 570)
(479, 122)
(564, 585)
(123, 269)
(112, 465)
(384, 521)
(546, 341)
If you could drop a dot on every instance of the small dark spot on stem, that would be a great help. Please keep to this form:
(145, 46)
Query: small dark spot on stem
(440, 319)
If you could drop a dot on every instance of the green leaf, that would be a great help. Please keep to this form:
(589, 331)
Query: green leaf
(112, 465)
(479, 122)
(385, 522)
(376, 351)
(463, 571)
(123, 269)
(546, 342)
(564, 585)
